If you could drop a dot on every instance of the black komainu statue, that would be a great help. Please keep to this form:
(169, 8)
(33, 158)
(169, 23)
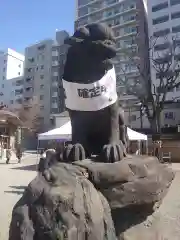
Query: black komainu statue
(89, 82)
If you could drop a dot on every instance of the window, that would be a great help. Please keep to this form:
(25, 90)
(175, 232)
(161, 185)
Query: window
(41, 97)
(28, 89)
(18, 91)
(54, 100)
(160, 19)
(41, 86)
(42, 66)
(116, 21)
(2, 85)
(19, 83)
(29, 69)
(159, 6)
(176, 29)
(41, 107)
(160, 47)
(54, 110)
(109, 13)
(162, 33)
(42, 47)
(174, 2)
(4, 69)
(55, 79)
(83, 11)
(5, 61)
(109, 2)
(169, 115)
(177, 57)
(130, 30)
(178, 88)
(175, 15)
(19, 65)
(116, 11)
(4, 77)
(31, 60)
(176, 43)
(28, 79)
(41, 76)
(19, 101)
(117, 33)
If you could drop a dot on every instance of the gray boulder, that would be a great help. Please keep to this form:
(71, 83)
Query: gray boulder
(86, 199)
(134, 187)
(62, 204)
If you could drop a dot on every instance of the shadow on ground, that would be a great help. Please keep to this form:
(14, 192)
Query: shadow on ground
(27, 168)
(11, 163)
(18, 187)
(16, 190)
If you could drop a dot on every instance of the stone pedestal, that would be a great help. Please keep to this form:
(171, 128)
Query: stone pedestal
(88, 200)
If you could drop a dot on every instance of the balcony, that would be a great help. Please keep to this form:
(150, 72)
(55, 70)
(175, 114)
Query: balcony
(55, 63)
(106, 7)
(55, 84)
(54, 94)
(54, 53)
(55, 74)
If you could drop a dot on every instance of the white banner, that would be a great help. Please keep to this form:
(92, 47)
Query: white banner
(92, 96)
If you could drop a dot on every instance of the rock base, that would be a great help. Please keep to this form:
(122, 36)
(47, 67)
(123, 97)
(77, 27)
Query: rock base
(89, 200)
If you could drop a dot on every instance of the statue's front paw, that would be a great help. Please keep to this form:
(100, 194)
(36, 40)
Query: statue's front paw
(74, 153)
(113, 153)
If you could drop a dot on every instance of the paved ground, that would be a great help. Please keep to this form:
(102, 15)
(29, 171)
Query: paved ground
(13, 179)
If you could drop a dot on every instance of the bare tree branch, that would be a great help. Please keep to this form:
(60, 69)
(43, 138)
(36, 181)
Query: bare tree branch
(30, 115)
(163, 62)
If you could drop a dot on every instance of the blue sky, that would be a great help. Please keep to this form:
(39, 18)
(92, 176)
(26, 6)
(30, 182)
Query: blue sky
(23, 22)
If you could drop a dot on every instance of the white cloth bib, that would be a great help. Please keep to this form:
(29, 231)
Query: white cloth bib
(92, 96)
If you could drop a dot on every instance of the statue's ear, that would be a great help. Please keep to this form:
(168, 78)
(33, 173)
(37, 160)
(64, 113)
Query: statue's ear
(79, 36)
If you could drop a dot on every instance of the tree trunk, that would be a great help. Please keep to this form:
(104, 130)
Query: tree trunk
(155, 124)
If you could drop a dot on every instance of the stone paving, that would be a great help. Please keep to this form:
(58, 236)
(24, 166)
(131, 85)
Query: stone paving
(14, 178)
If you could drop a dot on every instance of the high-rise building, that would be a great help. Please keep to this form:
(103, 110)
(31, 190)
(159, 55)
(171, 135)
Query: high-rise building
(164, 27)
(11, 66)
(42, 76)
(128, 20)
(13, 93)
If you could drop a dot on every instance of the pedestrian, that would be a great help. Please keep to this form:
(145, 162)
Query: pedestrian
(19, 153)
(8, 155)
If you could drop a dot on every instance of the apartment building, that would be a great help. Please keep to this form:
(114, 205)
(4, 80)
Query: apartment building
(164, 25)
(42, 76)
(11, 67)
(128, 20)
(13, 93)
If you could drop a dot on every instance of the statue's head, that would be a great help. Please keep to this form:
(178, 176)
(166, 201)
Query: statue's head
(96, 40)
(89, 57)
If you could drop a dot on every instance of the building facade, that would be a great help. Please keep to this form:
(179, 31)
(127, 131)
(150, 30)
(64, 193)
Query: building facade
(170, 117)
(11, 70)
(42, 76)
(128, 20)
(13, 93)
(164, 26)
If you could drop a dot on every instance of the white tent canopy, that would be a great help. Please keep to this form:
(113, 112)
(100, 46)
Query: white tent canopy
(135, 136)
(64, 132)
